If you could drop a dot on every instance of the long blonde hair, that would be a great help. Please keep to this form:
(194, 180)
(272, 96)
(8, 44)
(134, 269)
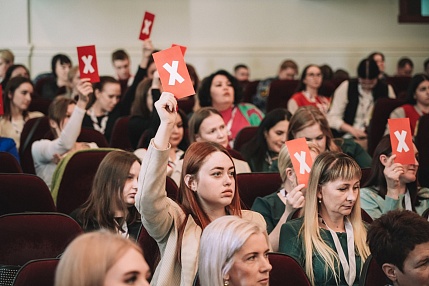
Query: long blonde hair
(328, 167)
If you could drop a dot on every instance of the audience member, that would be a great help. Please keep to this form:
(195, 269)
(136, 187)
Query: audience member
(417, 101)
(221, 91)
(111, 202)
(262, 151)
(405, 67)
(7, 59)
(242, 72)
(103, 111)
(426, 67)
(392, 185)
(190, 103)
(73, 78)
(121, 64)
(379, 59)
(65, 119)
(102, 258)
(208, 190)
(233, 251)
(354, 100)
(310, 123)
(341, 75)
(57, 84)
(327, 72)
(329, 241)
(178, 143)
(16, 100)
(308, 91)
(14, 71)
(276, 207)
(207, 124)
(399, 242)
(9, 146)
(288, 71)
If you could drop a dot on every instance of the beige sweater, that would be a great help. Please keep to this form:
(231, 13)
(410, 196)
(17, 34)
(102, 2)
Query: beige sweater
(162, 217)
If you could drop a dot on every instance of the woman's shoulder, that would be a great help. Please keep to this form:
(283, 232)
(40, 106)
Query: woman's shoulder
(34, 114)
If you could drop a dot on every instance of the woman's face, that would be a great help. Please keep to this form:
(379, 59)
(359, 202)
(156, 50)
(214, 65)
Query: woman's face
(62, 71)
(177, 135)
(313, 77)
(221, 92)
(338, 197)
(276, 136)
(215, 182)
(379, 61)
(19, 71)
(131, 184)
(129, 269)
(150, 70)
(410, 171)
(314, 134)
(422, 93)
(251, 265)
(213, 129)
(109, 96)
(21, 98)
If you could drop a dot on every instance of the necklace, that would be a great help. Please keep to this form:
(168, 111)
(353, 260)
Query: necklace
(101, 127)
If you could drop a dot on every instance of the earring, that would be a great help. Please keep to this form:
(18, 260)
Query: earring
(225, 283)
(320, 201)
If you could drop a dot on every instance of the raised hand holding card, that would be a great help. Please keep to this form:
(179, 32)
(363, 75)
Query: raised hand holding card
(401, 140)
(301, 159)
(173, 72)
(88, 63)
(146, 26)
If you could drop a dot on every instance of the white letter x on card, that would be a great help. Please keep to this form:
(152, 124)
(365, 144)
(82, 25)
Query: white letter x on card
(174, 75)
(401, 141)
(87, 61)
(146, 27)
(303, 167)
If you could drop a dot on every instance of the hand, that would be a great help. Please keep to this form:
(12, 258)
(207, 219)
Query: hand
(84, 89)
(147, 48)
(295, 198)
(358, 134)
(392, 171)
(166, 107)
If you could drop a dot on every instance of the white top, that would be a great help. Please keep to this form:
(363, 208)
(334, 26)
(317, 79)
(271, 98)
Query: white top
(44, 151)
(364, 109)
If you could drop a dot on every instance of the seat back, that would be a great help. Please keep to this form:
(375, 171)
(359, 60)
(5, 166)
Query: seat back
(372, 274)
(37, 272)
(280, 93)
(421, 139)
(150, 248)
(28, 236)
(249, 91)
(34, 129)
(377, 125)
(244, 136)
(286, 271)
(172, 189)
(120, 138)
(72, 180)
(9, 164)
(253, 185)
(91, 135)
(400, 85)
(366, 173)
(23, 193)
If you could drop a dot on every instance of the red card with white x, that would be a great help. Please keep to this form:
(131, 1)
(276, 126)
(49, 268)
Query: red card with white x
(88, 63)
(1, 101)
(173, 72)
(182, 48)
(146, 26)
(401, 140)
(301, 159)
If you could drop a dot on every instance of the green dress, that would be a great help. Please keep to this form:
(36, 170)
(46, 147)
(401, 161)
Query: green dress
(271, 208)
(354, 150)
(292, 244)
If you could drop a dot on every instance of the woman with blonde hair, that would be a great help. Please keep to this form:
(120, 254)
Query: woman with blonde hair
(329, 241)
(233, 251)
(208, 190)
(276, 207)
(102, 258)
(310, 123)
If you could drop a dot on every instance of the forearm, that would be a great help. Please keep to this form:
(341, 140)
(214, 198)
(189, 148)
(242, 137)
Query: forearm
(274, 236)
